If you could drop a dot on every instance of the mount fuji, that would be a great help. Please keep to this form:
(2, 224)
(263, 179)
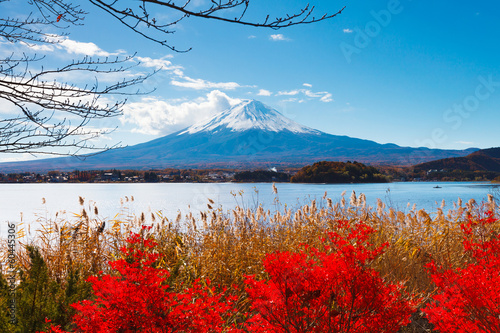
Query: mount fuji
(248, 135)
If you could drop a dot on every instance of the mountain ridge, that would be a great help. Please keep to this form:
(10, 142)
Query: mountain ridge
(248, 135)
(481, 160)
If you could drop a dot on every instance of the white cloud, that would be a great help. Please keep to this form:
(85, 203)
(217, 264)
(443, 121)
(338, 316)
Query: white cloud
(39, 47)
(252, 37)
(468, 143)
(179, 79)
(348, 31)
(326, 98)
(311, 94)
(56, 42)
(307, 85)
(264, 92)
(88, 49)
(288, 93)
(160, 117)
(184, 81)
(278, 37)
(200, 84)
(323, 96)
(161, 63)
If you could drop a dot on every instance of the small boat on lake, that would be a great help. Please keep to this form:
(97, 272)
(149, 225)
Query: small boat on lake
(437, 186)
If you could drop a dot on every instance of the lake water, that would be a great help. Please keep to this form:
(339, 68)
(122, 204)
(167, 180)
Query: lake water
(45, 200)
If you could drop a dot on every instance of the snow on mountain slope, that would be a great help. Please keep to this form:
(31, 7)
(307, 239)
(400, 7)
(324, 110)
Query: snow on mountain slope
(247, 115)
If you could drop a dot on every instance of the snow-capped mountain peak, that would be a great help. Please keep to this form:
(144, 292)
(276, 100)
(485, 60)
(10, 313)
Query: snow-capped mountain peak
(247, 115)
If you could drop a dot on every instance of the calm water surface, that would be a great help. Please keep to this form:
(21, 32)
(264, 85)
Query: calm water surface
(26, 201)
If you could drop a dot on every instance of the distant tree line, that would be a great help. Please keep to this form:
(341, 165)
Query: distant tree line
(321, 172)
(339, 172)
(114, 175)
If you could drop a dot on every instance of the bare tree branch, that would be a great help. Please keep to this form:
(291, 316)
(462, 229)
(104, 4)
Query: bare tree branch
(47, 107)
(141, 21)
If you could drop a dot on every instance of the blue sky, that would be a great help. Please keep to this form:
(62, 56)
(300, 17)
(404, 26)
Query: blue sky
(414, 73)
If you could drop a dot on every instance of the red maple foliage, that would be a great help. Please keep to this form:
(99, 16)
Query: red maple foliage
(468, 298)
(328, 290)
(331, 289)
(137, 299)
